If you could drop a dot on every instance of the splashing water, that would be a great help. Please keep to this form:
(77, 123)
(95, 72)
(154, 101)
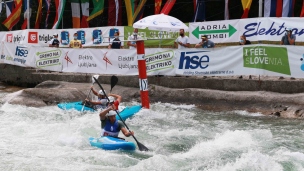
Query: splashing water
(180, 137)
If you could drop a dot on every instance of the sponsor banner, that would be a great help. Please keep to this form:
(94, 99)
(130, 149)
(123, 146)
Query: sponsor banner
(154, 38)
(48, 58)
(98, 36)
(242, 60)
(105, 61)
(271, 60)
(255, 29)
(160, 61)
(17, 37)
(16, 54)
(2, 55)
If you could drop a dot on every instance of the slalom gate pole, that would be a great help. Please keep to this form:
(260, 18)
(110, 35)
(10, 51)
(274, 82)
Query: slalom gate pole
(142, 73)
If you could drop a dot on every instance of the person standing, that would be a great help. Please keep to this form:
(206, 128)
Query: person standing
(115, 43)
(75, 43)
(132, 39)
(205, 43)
(288, 38)
(54, 42)
(182, 41)
(244, 41)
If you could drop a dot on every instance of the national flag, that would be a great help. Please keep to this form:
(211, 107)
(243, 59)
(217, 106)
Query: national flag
(246, 7)
(75, 6)
(200, 11)
(168, 6)
(115, 9)
(59, 12)
(14, 17)
(130, 11)
(9, 8)
(39, 15)
(85, 4)
(279, 8)
(26, 14)
(226, 10)
(157, 6)
(139, 10)
(302, 11)
(0, 6)
(47, 7)
(288, 8)
(98, 9)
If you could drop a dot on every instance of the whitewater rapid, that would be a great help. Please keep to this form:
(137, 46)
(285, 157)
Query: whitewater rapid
(180, 137)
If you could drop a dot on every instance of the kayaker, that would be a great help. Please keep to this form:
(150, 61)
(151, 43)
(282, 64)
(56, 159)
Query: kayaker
(114, 100)
(110, 126)
(102, 101)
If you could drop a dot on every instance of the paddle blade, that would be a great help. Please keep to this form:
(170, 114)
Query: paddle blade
(114, 81)
(141, 147)
(94, 76)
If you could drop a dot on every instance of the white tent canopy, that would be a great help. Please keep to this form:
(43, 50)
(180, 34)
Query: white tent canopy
(160, 22)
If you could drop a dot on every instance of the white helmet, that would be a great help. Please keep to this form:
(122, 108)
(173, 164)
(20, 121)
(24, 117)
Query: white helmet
(111, 99)
(101, 92)
(111, 113)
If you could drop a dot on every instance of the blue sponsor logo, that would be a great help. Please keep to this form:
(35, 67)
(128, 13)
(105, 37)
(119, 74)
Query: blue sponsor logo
(96, 36)
(81, 36)
(193, 60)
(65, 40)
(21, 51)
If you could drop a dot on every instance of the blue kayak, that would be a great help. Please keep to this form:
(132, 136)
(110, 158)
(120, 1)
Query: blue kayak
(125, 112)
(112, 143)
(75, 105)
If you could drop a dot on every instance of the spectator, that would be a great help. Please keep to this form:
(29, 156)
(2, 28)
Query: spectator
(182, 41)
(244, 41)
(205, 43)
(54, 42)
(132, 39)
(115, 43)
(75, 43)
(288, 38)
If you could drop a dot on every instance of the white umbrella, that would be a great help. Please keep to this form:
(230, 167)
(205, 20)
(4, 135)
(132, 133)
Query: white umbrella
(160, 22)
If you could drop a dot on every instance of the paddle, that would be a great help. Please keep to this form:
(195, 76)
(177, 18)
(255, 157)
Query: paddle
(141, 147)
(93, 81)
(114, 81)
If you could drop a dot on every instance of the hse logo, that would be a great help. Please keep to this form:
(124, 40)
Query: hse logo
(21, 51)
(32, 37)
(9, 37)
(193, 60)
(273, 59)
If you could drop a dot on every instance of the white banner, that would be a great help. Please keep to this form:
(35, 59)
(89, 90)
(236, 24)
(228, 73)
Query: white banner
(255, 29)
(272, 60)
(98, 36)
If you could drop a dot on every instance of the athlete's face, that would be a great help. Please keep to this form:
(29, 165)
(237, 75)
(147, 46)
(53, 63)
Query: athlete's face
(112, 118)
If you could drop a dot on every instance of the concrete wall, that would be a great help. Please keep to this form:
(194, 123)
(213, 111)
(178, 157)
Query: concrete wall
(28, 77)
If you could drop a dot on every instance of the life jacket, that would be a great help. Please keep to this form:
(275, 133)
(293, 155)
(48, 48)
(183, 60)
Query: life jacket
(111, 129)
